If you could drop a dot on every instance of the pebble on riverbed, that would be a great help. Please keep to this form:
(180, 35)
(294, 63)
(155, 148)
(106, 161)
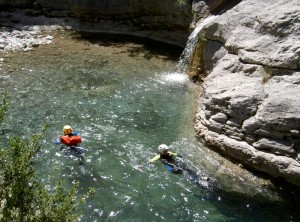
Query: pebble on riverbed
(22, 39)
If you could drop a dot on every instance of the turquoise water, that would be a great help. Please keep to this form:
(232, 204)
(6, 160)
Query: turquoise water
(125, 97)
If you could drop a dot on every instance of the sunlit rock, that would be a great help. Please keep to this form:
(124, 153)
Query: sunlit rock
(255, 83)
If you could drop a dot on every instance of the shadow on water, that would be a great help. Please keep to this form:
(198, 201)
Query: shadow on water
(240, 207)
(236, 207)
(146, 47)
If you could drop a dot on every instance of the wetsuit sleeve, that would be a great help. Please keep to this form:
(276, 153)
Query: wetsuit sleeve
(75, 133)
(172, 154)
(157, 157)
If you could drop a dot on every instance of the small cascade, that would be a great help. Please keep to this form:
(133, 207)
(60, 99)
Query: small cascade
(185, 57)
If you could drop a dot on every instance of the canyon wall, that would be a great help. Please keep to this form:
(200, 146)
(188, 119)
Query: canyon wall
(249, 105)
(166, 20)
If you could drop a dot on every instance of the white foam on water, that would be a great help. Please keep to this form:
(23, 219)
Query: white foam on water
(174, 77)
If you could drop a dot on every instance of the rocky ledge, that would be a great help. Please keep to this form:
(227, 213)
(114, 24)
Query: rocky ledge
(249, 106)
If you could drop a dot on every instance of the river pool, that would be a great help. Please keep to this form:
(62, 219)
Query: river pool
(125, 96)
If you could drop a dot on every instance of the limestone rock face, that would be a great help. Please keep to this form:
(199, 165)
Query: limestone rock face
(249, 107)
(163, 20)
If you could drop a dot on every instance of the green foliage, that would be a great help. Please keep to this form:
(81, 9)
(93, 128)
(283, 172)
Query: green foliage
(181, 2)
(3, 107)
(22, 196)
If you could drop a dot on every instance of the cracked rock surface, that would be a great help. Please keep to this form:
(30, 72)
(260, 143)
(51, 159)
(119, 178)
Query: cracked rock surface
(249, 106)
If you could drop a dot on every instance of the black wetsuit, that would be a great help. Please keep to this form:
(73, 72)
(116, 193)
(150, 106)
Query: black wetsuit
(168, 158)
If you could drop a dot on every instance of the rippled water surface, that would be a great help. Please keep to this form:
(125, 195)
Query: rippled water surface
(125, 98)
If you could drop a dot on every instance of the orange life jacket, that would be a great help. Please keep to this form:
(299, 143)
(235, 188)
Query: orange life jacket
(70, 140)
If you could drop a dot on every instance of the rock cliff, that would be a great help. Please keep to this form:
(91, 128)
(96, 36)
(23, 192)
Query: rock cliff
(165, 20)
(249, 105)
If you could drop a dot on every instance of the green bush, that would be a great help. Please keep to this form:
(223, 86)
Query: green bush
(22, 196)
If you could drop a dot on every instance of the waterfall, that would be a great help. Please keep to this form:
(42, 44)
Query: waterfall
(185, 57)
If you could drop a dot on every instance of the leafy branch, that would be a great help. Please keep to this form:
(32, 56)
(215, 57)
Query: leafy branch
(22, 196)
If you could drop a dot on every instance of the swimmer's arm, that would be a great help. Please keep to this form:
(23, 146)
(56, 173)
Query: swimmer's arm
(152, 160)
(172, 154)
